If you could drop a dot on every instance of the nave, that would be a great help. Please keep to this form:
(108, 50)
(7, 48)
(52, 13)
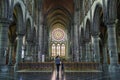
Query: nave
(67, 75)
(84, 33)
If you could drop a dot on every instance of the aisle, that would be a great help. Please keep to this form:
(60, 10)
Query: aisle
(58, 76)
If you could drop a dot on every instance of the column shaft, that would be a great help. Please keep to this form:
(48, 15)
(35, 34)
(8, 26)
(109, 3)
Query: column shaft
(4, 23)
(19, 51)
(10, 53)
(112, 44)
(96, 48)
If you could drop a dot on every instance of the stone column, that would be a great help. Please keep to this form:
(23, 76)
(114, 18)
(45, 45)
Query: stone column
(90, 52)
(86, 52)
(19, 50)
(41, 39)
(96, 47)
(112, 46)
(88, 56)
(83, 52)
(72, 42)
(76, 49)
(80, 56)
(28, 51)
(4, 23)
(10, 54)
(76, 44)
(105, 64)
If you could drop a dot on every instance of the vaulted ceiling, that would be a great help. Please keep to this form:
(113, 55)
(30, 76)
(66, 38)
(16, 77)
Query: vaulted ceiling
(58, 12)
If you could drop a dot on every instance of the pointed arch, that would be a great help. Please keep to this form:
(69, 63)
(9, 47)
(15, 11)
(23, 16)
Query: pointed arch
(18, 10)
(87, 29)
(96, 18)
(112, 15)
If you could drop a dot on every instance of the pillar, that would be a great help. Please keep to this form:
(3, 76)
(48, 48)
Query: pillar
(40, 30)
(105, 63)
(86, 52)
(112, 46)
(28, 51)
(4, 23)
(10, 54)
(80, 56)
(83, 52)
(76, 28)
(88, 56)
(96, 47)
(19, 50)
(76, 45)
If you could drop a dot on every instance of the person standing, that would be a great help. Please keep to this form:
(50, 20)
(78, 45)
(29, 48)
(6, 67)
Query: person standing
(62, 67)
(57, 62)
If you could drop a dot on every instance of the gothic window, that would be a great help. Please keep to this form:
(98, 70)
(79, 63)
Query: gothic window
(53, 50)
(58, 49)
(63, 50)
(58, 34)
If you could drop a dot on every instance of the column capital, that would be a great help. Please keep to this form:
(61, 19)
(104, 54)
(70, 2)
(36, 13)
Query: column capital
(20, 34)
(111, 21)
(95, 34)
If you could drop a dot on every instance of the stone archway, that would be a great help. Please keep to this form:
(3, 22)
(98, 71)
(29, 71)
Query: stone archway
(95, 30)
(12, 40)
(20, 28)
(88, 41)
(28, 41)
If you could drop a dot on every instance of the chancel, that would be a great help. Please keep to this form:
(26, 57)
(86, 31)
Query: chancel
(85, 34)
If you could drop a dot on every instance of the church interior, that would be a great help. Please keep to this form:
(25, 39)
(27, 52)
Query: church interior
(85, 34)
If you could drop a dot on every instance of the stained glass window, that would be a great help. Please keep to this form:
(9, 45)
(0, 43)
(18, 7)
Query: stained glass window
(58, 49)
(58, 34)
(63, 50)
(53, 50)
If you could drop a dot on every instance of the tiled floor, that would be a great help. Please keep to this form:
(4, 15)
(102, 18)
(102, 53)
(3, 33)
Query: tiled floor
(61, 76)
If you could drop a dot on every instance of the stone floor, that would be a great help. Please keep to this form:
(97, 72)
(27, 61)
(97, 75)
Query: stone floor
(67, 75)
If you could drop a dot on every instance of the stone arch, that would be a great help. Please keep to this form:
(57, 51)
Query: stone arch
(99, 30)
(34, 34)
(18, 28)
(111, 15)
(96, 17)
(82, 46)
(28, 28)
(18, 8)
(87, 29)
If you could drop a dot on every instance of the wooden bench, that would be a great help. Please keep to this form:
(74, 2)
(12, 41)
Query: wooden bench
(43, 66)
(81, 66)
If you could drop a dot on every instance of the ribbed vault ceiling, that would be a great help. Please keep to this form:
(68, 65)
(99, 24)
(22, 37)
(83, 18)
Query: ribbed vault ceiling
(58, 12)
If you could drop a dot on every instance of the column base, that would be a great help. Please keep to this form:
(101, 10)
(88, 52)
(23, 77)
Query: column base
(3, 68)
(114, 68)
(105, 67)
(10, 64)
(15, 67)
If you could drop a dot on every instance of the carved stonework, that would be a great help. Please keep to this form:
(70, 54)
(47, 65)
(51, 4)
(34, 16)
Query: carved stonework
(28, 4)
(86, 6)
